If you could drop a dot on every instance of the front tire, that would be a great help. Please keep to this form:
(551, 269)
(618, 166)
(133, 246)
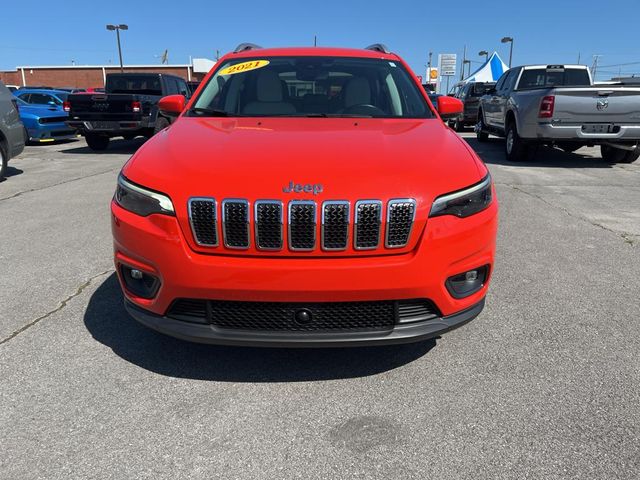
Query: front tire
(4, 160)
(481, 134)
(97, 143)
(161, 124)
(458, 125)
(516, 149)
(617, 155)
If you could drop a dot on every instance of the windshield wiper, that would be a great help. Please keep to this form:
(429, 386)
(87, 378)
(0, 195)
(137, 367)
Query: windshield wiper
(212, 112)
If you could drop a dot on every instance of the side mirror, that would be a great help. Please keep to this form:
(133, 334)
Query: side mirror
(449, 107)
(172, 105)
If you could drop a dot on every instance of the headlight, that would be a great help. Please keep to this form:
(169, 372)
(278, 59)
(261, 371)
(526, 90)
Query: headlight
(140, 200)
(464, 202)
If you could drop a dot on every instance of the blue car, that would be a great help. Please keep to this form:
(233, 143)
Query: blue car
(42, 115)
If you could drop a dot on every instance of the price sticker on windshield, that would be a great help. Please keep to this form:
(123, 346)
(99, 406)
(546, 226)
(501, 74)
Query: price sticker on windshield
(244, 67)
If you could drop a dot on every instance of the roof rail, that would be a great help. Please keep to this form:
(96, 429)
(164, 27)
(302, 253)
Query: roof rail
(378, 47)
(246, 46)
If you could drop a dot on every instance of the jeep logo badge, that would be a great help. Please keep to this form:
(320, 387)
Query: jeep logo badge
(314, 188)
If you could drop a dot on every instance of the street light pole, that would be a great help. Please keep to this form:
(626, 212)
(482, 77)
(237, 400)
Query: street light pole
(485, 53)
(117, 28)
(509, 40)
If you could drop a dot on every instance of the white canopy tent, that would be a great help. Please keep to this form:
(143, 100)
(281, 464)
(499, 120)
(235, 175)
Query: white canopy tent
(490, 71)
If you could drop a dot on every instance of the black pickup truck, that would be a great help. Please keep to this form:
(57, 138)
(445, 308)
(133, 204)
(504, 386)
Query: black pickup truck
(128, 108)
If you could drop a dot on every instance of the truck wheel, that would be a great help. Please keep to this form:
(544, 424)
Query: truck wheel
(97, 142)
(569, 147)
(515, 148)
(617, 155)
(161, 124)
(481, 134)
(458, 126)
(3, 163)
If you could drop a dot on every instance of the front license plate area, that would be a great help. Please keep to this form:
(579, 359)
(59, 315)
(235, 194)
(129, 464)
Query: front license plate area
(599, 128)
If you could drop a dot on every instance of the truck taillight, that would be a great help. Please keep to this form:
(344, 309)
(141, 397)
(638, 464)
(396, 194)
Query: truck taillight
(546, 106)
(66, 106)
(136, 107)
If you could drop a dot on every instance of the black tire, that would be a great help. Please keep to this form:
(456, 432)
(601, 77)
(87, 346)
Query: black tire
(161, 124)
(617, 155)
(458, 125)
(568, 146)
(481, 134)
(27, 140)
(4, 160)
(97, 143)
(515, 148)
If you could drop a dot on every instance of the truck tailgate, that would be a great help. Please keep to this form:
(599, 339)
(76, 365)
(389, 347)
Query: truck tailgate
(610, 105)
(103, 107)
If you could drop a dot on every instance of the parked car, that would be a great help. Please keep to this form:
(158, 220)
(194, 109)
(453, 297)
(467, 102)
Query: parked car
(128, 108)
(354, 217)
(44, 123)
(12, 88)
(11, 136)
(193, 85)
(47, 97)
(558, 105)
(469, 94)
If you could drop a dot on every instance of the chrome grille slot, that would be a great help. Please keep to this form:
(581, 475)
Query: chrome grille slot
(235, 223)
(335, 225)
(302, 225)
(368, 216)
(268, 224)
(202, 218)
(400, 216)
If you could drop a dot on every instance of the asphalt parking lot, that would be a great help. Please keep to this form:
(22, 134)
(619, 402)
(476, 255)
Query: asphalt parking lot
(544, 384)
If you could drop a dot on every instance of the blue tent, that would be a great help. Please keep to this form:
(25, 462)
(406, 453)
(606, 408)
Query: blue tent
(490, 71)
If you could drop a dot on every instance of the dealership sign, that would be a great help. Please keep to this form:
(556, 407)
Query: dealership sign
(447, 63)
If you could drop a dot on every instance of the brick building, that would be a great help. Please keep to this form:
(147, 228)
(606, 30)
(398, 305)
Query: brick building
(83, 76)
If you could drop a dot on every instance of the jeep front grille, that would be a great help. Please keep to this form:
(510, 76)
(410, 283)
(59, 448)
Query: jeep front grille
(235, 223)
(302, 225)
(301, 220)
(203, 219)
(368, 217)
(335, 225)
(268, 224)
(400, 215)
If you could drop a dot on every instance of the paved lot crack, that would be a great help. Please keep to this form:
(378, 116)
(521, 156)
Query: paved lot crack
(628, 239)
(63, 304)
(57, 184)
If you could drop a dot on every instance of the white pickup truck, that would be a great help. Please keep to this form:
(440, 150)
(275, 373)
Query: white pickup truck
(559, 105)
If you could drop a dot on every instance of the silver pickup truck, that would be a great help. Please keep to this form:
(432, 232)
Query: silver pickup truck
(559, 105)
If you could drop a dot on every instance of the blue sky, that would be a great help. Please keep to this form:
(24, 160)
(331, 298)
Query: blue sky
(46, 33)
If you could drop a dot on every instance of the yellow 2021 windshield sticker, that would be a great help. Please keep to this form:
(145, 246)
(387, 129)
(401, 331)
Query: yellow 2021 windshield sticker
(244, 67)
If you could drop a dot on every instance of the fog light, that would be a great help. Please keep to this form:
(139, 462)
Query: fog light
(139, 283)
(467, 283)
(136, 274)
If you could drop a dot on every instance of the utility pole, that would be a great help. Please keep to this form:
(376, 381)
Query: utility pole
(578, 58)
(428, 75)
(508, 40)
(464, 62)
(594, 66)
(315, 40)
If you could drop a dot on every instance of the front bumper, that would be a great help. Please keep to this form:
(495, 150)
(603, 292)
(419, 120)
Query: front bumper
(448, 246)
(210, 334)
(51, 132)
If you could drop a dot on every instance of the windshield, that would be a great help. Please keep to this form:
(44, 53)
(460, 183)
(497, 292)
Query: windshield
(311, 86)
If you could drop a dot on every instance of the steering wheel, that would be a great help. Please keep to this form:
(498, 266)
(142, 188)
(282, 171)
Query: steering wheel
(363, 109)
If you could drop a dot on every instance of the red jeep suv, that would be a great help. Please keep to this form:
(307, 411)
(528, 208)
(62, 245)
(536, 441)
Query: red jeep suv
(305, 197)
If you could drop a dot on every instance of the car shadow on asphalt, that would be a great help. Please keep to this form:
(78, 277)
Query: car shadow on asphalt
(115, 146)
(492, 152)
(108, 322)
(11, 172)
